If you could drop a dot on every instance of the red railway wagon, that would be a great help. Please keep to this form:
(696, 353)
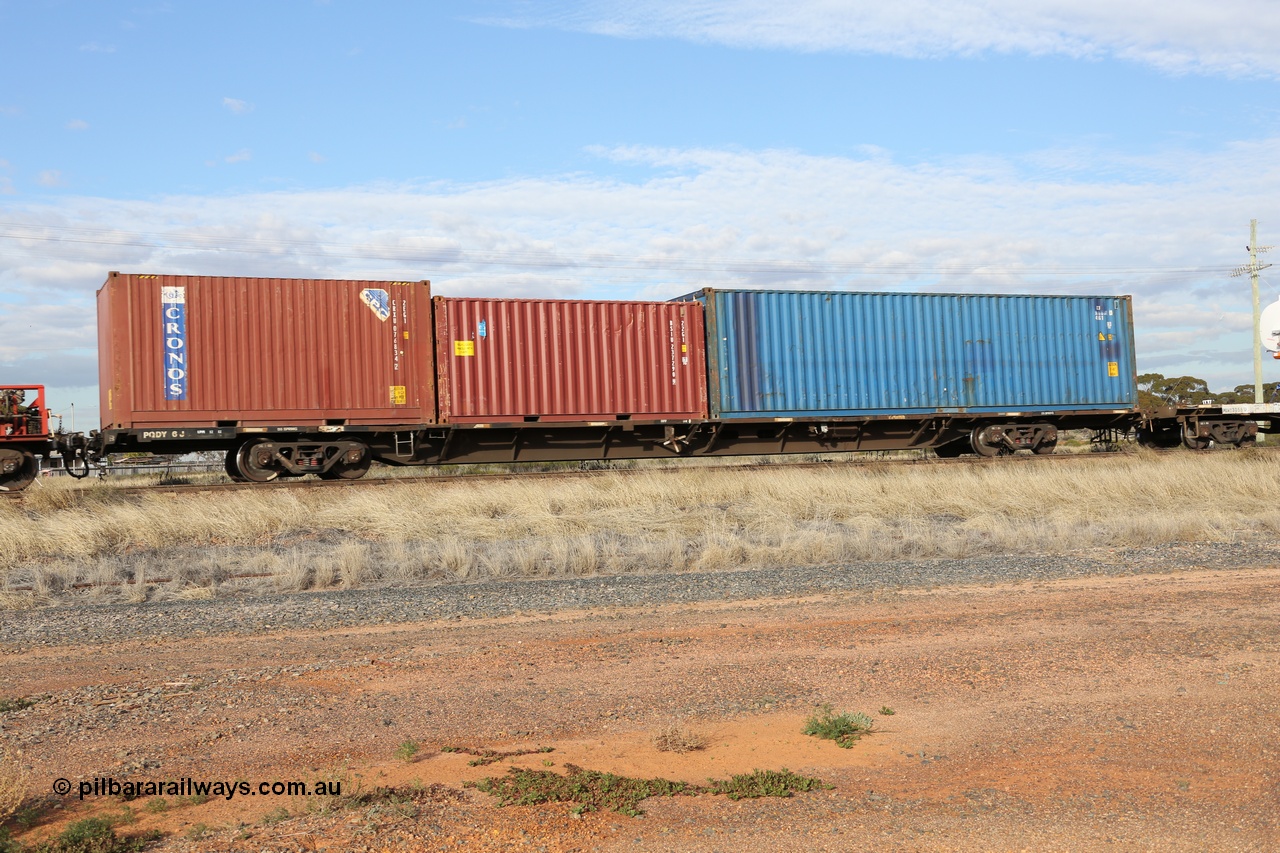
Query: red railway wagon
(24, 434)
(207, 351)
(565, 361)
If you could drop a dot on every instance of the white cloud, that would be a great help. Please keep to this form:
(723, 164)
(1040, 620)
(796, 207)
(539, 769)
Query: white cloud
(237, 106)
(6, 186)
(1235, 37)
(77, 124)
(50, 178)
(315, 157)
(241, 156)
(707, 217)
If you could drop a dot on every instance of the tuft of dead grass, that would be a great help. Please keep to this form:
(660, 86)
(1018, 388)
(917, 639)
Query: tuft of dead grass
(678, 737)
(13, 786)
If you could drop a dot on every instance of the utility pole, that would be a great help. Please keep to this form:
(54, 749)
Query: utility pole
(1253, 269)
(1257, 312)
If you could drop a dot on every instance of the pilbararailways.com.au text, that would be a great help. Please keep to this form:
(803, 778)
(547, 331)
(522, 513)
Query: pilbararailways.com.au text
(132, 789)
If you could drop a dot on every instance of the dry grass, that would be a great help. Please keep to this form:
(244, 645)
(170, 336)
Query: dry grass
(13, 786)
(678, 737)
(422, 531)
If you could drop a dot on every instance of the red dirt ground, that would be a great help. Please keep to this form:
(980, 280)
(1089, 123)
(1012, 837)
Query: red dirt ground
(1135, 713)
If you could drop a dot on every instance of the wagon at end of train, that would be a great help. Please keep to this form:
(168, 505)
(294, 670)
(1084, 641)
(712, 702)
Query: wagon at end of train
(26, 437)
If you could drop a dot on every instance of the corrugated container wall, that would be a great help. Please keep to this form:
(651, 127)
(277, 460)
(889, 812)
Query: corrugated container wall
(802, 354)
(517, 360)
(202, 350)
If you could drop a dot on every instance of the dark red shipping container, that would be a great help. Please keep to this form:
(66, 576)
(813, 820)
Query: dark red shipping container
(549, 360)
(209, 351)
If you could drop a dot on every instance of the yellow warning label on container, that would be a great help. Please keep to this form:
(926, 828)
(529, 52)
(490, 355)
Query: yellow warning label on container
(1113, 369)
(464, 347)
(397, 395)
(1101, 336)
(406, 334)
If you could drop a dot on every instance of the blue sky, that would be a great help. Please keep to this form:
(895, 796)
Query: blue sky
(641, 149)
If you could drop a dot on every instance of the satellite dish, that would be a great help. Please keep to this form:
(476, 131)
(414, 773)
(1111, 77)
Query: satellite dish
(1269, 324)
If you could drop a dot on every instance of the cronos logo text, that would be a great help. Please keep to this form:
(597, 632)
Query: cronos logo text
(173, 305)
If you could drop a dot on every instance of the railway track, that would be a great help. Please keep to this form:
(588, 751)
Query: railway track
(861, 462)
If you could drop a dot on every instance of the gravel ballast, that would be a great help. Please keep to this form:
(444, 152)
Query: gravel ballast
(71, 622)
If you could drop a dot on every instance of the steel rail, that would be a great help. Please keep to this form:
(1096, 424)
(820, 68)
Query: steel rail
(860, 462)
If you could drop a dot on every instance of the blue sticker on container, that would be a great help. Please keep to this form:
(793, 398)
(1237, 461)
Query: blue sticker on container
(173, 324)
(378, 300)
(482, 329)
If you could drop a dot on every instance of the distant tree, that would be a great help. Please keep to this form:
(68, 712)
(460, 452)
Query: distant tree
(1155, 390)
(1147, 398)
(1244, 394)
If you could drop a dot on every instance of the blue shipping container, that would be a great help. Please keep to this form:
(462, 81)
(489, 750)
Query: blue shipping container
(796, 354)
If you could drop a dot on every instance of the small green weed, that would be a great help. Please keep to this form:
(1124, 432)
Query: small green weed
(197, 832)
(397, 801)
(765, 783)
(342, 785)
(275, 816)
(407, 750)
(95, 835)
(19, 704)
(31, 812)
(844, 729)
(886, 711)
(157, 805)
(590, 790)
(485, 757)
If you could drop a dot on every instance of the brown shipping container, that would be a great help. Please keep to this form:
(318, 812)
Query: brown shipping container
(204, 351)
(545, 360)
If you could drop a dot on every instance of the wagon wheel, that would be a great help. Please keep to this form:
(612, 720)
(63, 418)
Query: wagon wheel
(22, 475)
(1192, 441)
(232, 470)
(349, 471)
(984, 445)
(1044, 448)
(255, 465)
